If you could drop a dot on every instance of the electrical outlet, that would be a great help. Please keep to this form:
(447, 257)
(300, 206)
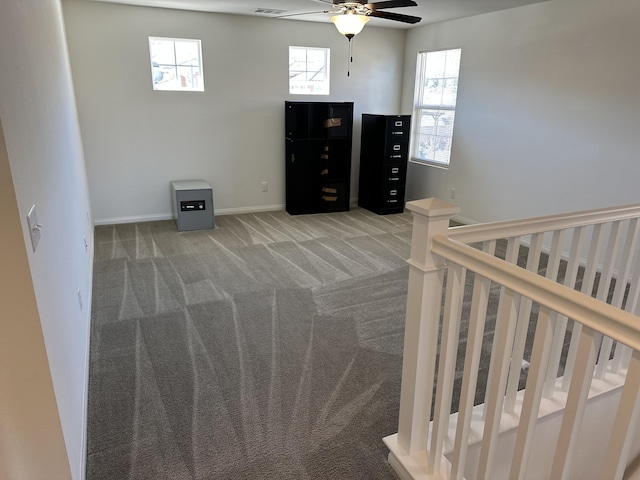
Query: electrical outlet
(80, 299)
(265, 186)
(453, 193)
(86, 245)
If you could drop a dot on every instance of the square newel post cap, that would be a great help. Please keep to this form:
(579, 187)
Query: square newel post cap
(433, 208)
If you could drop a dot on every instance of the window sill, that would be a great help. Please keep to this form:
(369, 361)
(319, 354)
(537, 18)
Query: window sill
(441, 166)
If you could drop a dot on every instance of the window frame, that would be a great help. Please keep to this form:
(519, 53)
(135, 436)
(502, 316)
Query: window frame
(419, 108)
(199, 87)
(327, 67)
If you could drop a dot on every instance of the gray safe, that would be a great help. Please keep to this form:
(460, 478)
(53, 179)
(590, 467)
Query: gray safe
(192, 204)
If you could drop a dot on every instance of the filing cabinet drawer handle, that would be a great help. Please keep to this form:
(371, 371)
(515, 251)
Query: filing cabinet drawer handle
(397, 133)
(399, 123)
(395, 170)
(394, 179)
(393, 192)
(396, 147)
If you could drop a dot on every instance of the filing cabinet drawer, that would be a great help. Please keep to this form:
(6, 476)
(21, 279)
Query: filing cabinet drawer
(397, 129)
(393, 197)
(394, 174)
(396, 152)
(393, 192)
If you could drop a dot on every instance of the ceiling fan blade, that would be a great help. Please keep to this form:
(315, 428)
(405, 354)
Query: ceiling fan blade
(305, 13)
(391, 4)
(395, 16)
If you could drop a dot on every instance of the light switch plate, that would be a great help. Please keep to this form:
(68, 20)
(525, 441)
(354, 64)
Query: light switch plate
(34, 227)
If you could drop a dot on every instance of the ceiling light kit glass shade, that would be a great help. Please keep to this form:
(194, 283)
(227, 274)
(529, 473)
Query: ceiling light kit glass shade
(350, 24)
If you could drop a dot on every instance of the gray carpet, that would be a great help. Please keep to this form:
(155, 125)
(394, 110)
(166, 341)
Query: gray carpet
(267, 348)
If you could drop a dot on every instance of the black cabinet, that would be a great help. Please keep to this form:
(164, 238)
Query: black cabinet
(384, 151)
(318, 156)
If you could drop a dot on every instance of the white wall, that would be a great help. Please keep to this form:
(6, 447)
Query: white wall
(43, 161)
(548, 109)
(232, 135)
(31, 439)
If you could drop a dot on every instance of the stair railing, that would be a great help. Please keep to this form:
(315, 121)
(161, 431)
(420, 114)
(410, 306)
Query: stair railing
(538, 276)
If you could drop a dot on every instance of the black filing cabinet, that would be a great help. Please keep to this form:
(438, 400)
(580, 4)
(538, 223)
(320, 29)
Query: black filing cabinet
(318, 138)
(384, 151)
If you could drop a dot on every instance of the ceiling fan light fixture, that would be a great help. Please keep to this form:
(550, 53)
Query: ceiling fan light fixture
(350, 24)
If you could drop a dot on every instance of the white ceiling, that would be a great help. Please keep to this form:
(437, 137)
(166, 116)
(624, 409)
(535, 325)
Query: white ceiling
(431, 11)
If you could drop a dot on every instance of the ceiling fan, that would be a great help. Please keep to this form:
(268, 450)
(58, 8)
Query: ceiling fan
(350, 17)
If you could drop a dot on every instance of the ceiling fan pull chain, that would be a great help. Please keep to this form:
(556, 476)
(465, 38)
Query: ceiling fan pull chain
(351, 50)
(349, 60)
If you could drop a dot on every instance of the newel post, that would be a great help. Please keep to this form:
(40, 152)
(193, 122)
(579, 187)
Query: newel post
(426, 274)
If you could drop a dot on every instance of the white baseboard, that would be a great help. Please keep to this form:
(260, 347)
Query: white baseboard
(255, 209)
(81, 474)
(134, 219)
(169, 216)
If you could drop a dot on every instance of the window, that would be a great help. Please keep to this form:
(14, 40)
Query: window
(435, 106)
(308, 71)
(176, 64)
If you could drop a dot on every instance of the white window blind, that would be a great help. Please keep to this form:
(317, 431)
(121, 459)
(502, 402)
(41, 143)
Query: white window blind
(435, 106)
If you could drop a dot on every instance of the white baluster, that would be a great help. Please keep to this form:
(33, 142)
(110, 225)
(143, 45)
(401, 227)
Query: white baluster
(560, 328)
(532, 395)
(623, 354)
(533, 261)
(511, 256)
(625, 423)
(447, 363)
(629, 253)
(475, 337)
(424, 296)
(603, 294)
(576, 402)
(553, 266)
(587, 287)
(505, 329)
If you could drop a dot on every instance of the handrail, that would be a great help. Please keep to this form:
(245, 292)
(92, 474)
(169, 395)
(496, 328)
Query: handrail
(415, 451)
(621, 326)
(515, 228)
